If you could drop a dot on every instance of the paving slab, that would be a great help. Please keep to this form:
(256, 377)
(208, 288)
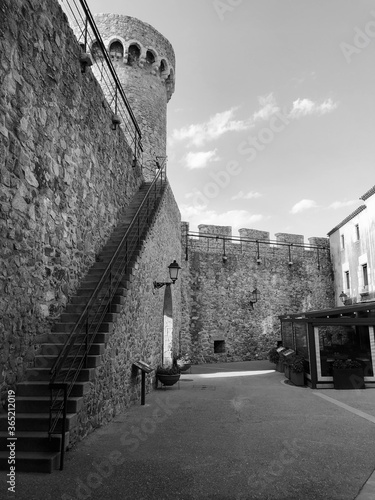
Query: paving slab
(228, 431)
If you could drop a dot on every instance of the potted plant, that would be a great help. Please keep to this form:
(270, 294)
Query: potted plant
(183, 362)
(297, 371)
(168, 375)
(274, 357)
(348, 374)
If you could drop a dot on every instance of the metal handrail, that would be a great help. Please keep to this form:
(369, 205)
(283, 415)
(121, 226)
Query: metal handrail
(83, 22)
(65, 370)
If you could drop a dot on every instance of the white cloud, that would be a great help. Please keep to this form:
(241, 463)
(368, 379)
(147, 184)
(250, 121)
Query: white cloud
(342, 204)
(304, 107)
(199, 214)
(303, 205)
(215, 127)
(268, 108)
(200, 159)
(246, 196)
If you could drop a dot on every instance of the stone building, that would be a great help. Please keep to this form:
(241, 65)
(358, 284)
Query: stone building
(352, 244)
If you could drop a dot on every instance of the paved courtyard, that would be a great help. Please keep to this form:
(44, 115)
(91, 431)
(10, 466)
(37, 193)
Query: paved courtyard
(227, 431)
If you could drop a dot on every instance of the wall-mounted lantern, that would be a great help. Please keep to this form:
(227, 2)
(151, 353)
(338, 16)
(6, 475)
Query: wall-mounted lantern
(255, 295)
(86, 60)
(116, 120)
(343, 297)
(173, 274)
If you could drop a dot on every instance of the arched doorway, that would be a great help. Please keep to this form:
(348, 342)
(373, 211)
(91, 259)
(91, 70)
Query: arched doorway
(167, 327)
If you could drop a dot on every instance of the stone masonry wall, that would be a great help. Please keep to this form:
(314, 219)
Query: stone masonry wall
(139, 331)
(217, 290)
(65, 175)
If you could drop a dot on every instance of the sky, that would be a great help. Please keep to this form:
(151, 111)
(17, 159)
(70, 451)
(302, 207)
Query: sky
(271, 125)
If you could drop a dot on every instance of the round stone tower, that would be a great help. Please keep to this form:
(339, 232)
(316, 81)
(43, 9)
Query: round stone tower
(145, 64)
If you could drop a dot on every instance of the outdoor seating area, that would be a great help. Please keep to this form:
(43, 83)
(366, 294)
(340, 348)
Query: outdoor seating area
(335, 339)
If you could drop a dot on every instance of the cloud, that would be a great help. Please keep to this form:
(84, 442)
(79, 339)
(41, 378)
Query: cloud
(304, 107)
(246, 196)
(303, 205)
(216, 126)
(199, 214)
(342, 204)
(200, 159)
(268, 107)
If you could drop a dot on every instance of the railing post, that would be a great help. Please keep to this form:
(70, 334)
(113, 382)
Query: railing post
(62, 451)
(87, 336)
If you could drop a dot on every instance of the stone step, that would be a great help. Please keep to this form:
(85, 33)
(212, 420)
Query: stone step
(70, 318)
(34, 441)
(68, 327)
(37, 422)
(41, 388)
(32, 461)
(48, 361)
(41, 374)
(62, 337)
(78, 308)
(41, 404)
(48, 349)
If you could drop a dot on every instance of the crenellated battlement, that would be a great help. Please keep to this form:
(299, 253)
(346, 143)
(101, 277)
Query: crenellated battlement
(133, 43)
(255, 244)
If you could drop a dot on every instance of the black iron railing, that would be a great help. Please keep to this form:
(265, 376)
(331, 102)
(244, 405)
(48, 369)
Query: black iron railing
(88, 35)
(73, 356)
(194, 240)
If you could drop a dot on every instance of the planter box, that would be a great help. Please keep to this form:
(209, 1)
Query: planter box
(297, 378)
(280, 367)
(351, 378)
(287, 371)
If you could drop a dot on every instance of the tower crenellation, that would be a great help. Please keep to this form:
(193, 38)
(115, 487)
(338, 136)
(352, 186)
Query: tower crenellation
(144, 61)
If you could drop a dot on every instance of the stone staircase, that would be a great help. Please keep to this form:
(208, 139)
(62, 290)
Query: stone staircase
(35, 450)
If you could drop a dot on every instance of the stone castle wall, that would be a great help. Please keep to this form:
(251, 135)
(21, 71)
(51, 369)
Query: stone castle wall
(219, 276)
(65, 177)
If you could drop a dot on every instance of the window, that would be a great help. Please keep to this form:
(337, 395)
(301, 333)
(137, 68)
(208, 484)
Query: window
(134, 54)
(342, 241)
(365, 275)
(116, 51)
(219, 346)
(357, 231)
(347, 280)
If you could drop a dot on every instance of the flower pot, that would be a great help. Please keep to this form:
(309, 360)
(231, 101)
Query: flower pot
(297, 378)
(185, 367)
(167, 379)
(348, 378)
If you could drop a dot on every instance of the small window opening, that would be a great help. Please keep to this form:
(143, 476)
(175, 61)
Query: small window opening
(357, 231)
(342, 241)
(116, 51)
(150, 58)
(134, 53)
(365, 275)
(219, 346)
(347, 280)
